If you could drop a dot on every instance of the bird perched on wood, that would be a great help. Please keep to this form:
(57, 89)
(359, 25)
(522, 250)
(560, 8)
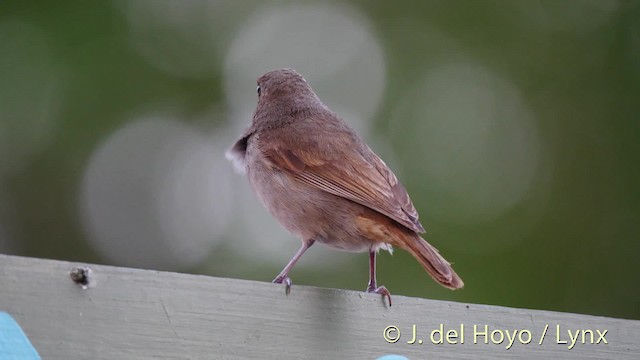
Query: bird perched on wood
(324, 184)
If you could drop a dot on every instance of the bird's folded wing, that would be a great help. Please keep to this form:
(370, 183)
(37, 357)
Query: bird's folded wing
(368, 182)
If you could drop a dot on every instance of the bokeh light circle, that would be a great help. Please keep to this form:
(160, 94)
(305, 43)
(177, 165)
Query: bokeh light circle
(474, 140)
(156, 194)
(333, 46)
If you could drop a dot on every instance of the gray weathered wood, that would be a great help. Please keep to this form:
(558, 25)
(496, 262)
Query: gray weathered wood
(141, 314)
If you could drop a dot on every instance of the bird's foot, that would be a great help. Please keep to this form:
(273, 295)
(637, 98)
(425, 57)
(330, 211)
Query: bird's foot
(380, 290)
(284, 280)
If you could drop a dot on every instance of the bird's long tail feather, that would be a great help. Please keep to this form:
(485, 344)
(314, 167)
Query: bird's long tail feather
(431, 260)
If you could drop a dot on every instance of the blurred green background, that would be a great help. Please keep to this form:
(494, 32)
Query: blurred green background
(513, 125)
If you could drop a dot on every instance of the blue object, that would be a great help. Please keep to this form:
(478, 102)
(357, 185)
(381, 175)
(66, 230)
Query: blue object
(14, 344)
(392, 357)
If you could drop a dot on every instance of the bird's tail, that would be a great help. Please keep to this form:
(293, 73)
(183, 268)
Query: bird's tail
(431, 260)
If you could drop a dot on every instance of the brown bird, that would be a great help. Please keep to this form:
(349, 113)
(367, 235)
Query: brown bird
(324, 184)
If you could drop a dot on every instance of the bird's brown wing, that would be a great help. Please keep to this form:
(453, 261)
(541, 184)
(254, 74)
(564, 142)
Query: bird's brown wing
(354, 173)
(399, 192)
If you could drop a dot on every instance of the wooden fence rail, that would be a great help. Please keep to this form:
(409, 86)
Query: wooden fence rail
(141, 314)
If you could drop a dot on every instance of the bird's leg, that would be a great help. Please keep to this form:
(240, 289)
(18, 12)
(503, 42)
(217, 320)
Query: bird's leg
(283, 277)
(373, 288)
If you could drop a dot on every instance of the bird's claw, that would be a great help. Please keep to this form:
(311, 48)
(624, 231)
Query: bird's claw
(284, 280)
(382, 291)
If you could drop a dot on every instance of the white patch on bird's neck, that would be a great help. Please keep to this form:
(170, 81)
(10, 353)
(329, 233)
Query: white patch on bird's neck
(237, 159)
